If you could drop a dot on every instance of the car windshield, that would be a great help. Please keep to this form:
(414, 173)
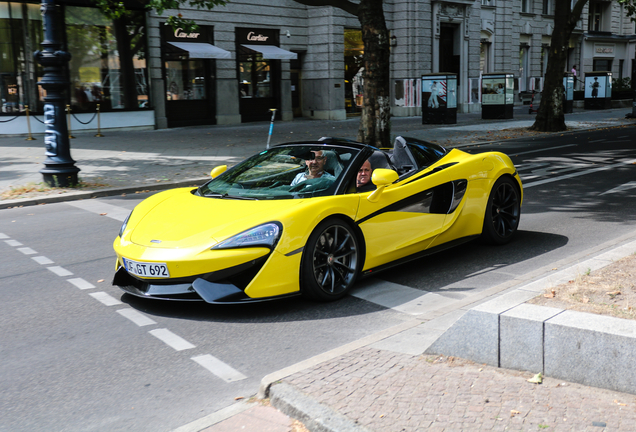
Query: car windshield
(286, 172)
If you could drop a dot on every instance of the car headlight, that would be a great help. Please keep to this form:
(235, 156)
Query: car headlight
(123, 226)
(263, 235)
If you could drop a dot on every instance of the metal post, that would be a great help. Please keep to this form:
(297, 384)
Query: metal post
(271, 125)
(59, 168)
(99, 127)
(68, 115)
(30, 137)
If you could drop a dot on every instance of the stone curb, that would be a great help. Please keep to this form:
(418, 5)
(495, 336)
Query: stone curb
(588, 349)
(75, 196)
(315, 416)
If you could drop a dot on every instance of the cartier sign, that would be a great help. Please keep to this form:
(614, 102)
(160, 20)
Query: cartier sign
(252, 37)
(179, 33)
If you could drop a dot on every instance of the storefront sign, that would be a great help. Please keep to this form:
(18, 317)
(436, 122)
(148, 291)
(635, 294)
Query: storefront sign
(253, 37)
(179, 33)
(604, 50)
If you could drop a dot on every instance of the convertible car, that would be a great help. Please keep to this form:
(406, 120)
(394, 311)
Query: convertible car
(296, 219)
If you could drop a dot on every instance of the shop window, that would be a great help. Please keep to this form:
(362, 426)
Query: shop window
(185, 80)
(255, 80)
(108, 65)
(19, 72)
(354, 82)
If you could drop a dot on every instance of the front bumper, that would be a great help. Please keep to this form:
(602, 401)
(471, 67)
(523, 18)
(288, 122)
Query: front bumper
(221, 287)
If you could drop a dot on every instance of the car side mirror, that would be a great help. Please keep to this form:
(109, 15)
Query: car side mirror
(217, 171)
(381, 178)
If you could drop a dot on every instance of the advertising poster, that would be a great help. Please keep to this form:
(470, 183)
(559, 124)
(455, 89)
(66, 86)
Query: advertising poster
(493, 91)
(595, 87)
(434, 91)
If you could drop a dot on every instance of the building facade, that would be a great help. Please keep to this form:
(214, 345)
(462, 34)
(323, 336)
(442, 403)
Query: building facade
(251, 57)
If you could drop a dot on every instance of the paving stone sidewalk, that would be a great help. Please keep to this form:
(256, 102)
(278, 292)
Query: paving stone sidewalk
(393, 392)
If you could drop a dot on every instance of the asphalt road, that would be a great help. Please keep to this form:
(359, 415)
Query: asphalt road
(78, 355)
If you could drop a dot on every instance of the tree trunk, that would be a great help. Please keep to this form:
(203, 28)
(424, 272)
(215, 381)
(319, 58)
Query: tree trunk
(375, 122)
(550, 116)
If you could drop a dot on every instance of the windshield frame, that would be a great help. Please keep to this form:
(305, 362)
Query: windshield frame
(231, 184)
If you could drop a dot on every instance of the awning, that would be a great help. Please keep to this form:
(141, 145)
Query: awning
(273, 52)
(202, 50)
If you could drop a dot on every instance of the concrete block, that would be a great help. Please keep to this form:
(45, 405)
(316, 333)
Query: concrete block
(521, 337)
(591, 349)
(474, 336)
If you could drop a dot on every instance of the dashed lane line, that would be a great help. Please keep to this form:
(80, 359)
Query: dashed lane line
(60, 271)
(136, 317)
(42, 260)
(218, 368)
(171, 339)
(81, 283)
(105, 298)
(209, 362)
(27, 251)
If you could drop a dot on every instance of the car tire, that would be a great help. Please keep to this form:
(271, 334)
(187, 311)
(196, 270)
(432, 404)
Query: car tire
(502, 212)
(331, 261)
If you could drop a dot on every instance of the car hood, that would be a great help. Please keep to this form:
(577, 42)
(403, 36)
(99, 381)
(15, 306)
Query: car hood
(184, 220)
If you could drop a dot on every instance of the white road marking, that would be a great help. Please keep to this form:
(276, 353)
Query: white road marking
(60, 271)
(577, 174)
(101, 208)
(105, 298)
(27, 251)
(399, 297)
(171, 339)
(81, 283)
(13, 243)
(136, 317)
(542, 150)
(623, 187)
(218, 368)
(3, 236)
(42, 260)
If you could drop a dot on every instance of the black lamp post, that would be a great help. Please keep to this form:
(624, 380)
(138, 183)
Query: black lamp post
(59, 168)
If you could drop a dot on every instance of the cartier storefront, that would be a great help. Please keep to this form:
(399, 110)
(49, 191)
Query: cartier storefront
(189, 70)
(259, 72)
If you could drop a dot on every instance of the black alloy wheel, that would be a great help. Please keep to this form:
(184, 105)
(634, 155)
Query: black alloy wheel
(331, 261)
(502, 212)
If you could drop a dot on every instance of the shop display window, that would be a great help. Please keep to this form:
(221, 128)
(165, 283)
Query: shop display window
(185, 80)
(108, 65)
(254, 75)
(19, 72)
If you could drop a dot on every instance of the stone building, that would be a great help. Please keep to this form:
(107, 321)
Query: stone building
(250, 56)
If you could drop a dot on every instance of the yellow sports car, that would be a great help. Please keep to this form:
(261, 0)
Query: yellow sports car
(311, 217)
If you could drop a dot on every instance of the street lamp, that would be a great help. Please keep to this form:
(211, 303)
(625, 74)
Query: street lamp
(59, 168)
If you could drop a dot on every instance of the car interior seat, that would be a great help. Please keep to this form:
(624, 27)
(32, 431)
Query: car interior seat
(402, 158)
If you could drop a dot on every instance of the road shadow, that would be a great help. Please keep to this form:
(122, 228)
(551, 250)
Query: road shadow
(430, 274)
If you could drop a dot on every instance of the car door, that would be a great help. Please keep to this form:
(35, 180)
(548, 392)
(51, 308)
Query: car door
(407, 216)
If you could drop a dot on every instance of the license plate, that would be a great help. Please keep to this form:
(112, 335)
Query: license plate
(146, 269)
